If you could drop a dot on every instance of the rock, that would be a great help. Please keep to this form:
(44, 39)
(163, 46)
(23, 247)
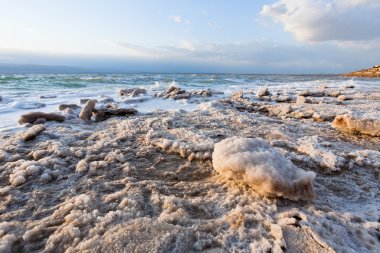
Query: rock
(82, 166)
(133, 92)
(1, 98)
(308, 93)
(301, 100)
(302, 114)
(319, 117)
(103, 114)
(32, 132)
(40, 121)
(237, 95)
(283, 99)
(86, 112)
(63, 107)
(262, 92)
(348, 86)
(32, 117)
(111, 106)
(279, 109)
(176, 93)
(182, 96)
(203, 93)
(334, 93)
(343, 98)
(256, 163)
(353, 124)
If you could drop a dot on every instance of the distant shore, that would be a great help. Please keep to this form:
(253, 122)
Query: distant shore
(373, 72)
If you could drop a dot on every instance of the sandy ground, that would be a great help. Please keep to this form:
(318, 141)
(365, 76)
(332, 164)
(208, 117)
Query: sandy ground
(146, 183)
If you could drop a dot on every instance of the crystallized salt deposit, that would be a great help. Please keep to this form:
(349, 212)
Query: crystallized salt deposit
(309, 145)
(352, 124)
(258, 164)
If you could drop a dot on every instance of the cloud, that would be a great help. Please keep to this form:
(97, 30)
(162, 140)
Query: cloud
(175, 18)
(179, 19)
(327, 20)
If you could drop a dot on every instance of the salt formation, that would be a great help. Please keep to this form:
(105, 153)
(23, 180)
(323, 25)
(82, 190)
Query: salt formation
(63, 107)
(353, 124)
(32, 132)
(86, 112)
(32, 117)
(258, 164)
(262, 92)
(176, 93)
(133, 92)
(309, 145)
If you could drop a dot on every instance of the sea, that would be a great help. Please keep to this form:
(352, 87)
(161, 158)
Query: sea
(22, 93)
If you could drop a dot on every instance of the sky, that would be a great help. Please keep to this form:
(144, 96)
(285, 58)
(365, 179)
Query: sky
(240, 36)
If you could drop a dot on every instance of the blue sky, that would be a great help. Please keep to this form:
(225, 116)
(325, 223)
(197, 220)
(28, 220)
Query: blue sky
(278, 36)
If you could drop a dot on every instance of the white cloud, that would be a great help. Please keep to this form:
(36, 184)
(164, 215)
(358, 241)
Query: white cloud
(179, 19)
(327, 20)
(175, 18)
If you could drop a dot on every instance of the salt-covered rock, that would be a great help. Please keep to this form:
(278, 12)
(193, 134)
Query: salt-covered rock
(283, 98)
(343, 98)
(45, 177)
(302, 100)
(86, 112)
(354, 124)
(323, 116)
(257, 164)
(203, 93)
(309, 93)
(262, 92)
(103, 114)
(32, 132)
(237, 95)
(32, 117)
(17, 180)
(279, 109)
(82, 166)
(176, 93)
(133, 92)
(309, 145)
(63, 107)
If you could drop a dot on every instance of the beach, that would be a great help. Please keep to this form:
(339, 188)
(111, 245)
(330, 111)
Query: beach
(156, 180)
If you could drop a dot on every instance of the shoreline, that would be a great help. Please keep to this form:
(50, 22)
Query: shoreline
(113, 184)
